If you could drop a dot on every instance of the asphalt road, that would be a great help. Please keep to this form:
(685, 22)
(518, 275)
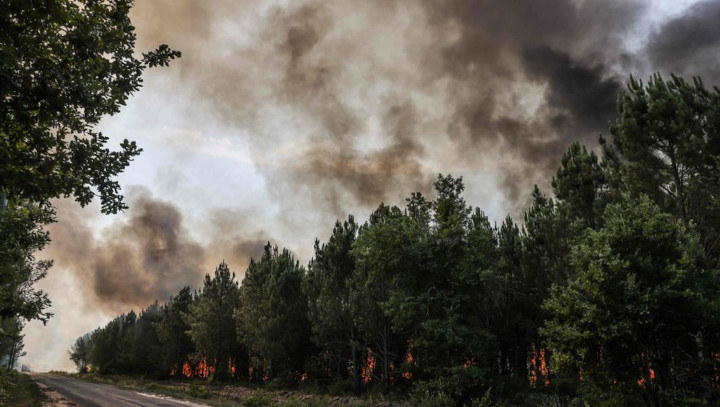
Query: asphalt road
(88, 394)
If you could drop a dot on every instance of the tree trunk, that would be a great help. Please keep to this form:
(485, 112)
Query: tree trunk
(356, 376)
(680, 190)
(338, 368)
(11, 357)
(3, 202)
(386, 356)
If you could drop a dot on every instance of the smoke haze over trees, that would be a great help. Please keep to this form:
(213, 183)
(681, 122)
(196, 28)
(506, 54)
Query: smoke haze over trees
(607, 292)
(283, 116)
(495, 92)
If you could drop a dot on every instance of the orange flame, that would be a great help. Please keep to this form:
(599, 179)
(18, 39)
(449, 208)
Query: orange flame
(408, 361)
(187, 369)
(642, 381)
(369, 367)
(537, 367)
(231, 367)
(543, 367)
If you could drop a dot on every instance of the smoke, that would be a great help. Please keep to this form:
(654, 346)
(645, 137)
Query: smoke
(348, 104)
(488, 88)
(689, 45)
(343, 105)
(148, 256)
(584, 99)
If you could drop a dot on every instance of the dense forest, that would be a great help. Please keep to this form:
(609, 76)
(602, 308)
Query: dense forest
(607, 292)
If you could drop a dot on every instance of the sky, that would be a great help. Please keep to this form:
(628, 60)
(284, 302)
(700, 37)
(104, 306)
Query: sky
(283, 116)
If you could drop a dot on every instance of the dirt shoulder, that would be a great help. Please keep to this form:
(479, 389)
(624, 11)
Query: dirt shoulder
(53, 398)
(238, 394)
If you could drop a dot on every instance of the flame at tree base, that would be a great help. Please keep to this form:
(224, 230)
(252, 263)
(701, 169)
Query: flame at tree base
(201, 369)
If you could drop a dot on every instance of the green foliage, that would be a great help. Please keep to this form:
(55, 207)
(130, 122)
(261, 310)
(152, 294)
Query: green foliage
(614, 279)
(172, 331)
(145, 348)
(80, 352)
(7, 383)
(64, 65)
(666, 145)
(11, 341)
(212, 326)
(579, 185)
(428, 399)
(327, 288)
(375, 290)
(438, 392)
(591, 395)
(21, 225)
(18, 389)
(272, 316)
(111, 345)
(199, 391)
(341, 388)
(485, 401)
(257, 399)
(547, 400)
(637, 303)
(67, 64)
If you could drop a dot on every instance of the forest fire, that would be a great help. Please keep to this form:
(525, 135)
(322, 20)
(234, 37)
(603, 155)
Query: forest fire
(202, 369)
(651, 376)
(537, 367)
(369, 366)
(263, 369)
(408, 362)
(231, 367)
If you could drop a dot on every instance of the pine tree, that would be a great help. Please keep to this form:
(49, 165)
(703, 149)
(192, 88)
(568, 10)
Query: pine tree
(272, 317)
(375, 295)
(172, 332)
(327, 288)
(80, 352)
(666, 145)
(11, 341)
(145, 348)
(633, 312)
(580, 186)
(212, 326)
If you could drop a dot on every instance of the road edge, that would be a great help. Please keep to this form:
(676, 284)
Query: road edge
(53, 398)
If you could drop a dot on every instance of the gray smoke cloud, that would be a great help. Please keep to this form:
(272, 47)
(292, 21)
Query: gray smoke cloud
(689, 45)
(149, 255)
(318, 83)
(348, 104)
(343, 105)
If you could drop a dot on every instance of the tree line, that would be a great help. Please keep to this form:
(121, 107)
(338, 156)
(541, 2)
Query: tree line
(607, 292)
(65, 64)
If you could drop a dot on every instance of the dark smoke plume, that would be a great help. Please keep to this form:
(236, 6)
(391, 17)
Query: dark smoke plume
(314, 83)
(148, 256)
(689, 45)
(347, 104)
